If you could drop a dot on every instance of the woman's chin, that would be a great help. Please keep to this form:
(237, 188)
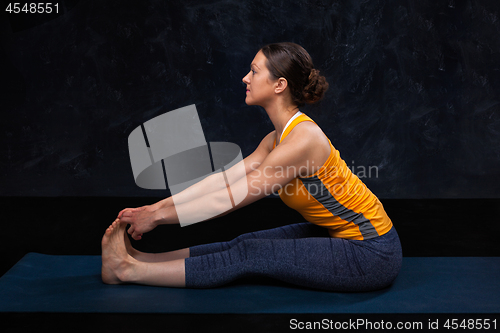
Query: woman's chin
(249, 101)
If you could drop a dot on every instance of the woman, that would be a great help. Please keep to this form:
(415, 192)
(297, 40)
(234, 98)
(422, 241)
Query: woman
(348, 243)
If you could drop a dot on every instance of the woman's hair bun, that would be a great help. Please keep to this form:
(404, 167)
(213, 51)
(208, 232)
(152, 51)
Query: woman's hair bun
(315, 88)
(293, 62)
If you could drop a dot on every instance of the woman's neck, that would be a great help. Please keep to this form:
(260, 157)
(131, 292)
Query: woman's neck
(280, 115)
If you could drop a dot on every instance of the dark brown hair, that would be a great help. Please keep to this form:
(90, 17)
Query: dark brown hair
(292, 62)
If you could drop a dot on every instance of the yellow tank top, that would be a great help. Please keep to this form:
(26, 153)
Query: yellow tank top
(335, 198)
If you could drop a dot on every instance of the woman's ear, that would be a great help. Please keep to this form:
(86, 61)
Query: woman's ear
(281, 85)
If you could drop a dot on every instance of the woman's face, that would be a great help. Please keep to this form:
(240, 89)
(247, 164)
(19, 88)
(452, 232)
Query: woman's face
(260, 88)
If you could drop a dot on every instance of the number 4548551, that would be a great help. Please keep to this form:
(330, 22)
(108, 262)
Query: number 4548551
(33, 8)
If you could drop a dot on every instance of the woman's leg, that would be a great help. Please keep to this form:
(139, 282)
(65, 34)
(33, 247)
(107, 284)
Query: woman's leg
(319, 262)
(122, 263)
(120, 267)
(299, 230)
(290, 231)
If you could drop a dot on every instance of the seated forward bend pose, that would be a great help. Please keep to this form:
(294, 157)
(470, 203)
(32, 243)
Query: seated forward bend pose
(348, 242)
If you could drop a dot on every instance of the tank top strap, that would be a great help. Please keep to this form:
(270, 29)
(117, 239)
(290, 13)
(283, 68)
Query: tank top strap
(294, 123)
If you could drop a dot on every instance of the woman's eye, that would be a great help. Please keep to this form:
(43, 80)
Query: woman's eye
(253, 72)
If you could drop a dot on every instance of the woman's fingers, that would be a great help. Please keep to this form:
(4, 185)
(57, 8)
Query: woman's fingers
(127, 213)
(121, 212)
(132, 216)
(135, 235)
(128, 210)
(125, 219)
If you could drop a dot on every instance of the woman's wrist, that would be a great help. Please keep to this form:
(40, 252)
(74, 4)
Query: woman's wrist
(165, 215)
(165, 203)
(162, 204)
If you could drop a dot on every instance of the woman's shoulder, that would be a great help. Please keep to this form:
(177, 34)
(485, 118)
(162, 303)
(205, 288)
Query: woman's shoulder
(308, 137)
(308, 131)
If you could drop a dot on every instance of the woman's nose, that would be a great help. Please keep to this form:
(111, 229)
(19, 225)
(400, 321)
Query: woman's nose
(245, 79)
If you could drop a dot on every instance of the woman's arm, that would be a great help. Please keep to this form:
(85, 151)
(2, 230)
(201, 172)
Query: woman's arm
(299, 155)
(217, 181)
(148, 215)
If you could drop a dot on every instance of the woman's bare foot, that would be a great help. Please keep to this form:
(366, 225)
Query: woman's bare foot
(151, 257)
(130, 250)
(117, 264)
(136, 254)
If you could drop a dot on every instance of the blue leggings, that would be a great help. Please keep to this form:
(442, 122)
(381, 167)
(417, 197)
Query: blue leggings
(302, 254)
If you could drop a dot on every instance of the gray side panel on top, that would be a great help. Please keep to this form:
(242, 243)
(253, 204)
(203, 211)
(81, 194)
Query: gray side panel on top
(318, 190)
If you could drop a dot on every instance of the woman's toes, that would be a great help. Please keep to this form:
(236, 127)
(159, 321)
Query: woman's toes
(108, 231)
(121, 226)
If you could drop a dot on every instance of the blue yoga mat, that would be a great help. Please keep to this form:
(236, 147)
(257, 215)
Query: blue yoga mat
(72, 284)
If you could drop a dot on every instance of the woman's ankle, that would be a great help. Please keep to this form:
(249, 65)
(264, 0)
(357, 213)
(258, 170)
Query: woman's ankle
(146, 257)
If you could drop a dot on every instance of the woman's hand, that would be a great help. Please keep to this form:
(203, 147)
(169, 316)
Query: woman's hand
(141, 220)
(151, 208)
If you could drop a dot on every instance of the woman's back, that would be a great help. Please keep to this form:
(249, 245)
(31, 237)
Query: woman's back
(335, 198)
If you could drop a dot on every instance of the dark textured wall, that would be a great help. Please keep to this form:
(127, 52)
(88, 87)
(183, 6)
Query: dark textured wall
(414, 88)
